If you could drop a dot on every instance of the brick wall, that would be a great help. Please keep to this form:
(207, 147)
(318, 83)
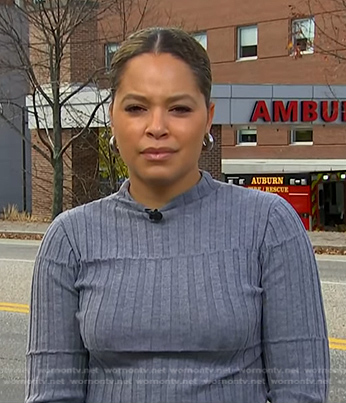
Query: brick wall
(273, 141)
(211, 160)
(84, 47)
(85, 175)
(81, 179)
(42, 179)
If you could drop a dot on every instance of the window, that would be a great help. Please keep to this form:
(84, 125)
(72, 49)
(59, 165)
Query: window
(303, 34)
(301, 136)
(201, 37)
(110, 49)
(247, 42)
(247, 136)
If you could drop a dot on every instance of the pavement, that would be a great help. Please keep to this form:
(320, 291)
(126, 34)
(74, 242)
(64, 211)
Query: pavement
(323, 241)
(327, 238)
(23, 227)
(22, 230)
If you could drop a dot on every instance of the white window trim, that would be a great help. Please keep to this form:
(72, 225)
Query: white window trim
(107, 47)
(246, 144)
(311, 49)
(301, 143)
(239, 58)
(240, 144)
(245, 59)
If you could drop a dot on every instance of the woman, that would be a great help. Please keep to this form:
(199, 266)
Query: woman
(178, 288)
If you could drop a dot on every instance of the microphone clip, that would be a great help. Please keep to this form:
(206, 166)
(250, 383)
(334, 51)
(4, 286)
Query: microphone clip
(154, 215)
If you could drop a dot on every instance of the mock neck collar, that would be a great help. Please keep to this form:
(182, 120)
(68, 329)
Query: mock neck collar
(201, 189)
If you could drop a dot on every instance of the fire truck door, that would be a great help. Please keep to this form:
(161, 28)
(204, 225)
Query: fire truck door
(301, 203)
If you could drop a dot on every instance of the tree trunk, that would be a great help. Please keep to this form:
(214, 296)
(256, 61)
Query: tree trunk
(58, 187)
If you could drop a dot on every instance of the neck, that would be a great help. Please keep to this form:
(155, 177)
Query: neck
(155, 196)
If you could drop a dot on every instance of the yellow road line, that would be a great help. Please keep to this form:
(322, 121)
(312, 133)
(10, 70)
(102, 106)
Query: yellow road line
(10, 307)
(14, 305)
(337, 341)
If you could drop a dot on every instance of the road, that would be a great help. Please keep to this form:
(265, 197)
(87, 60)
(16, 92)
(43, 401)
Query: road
(16, 263)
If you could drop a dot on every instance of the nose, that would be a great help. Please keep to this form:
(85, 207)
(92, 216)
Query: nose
(157, 125)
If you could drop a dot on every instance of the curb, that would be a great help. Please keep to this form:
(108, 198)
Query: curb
(21, 235)
(329, 250)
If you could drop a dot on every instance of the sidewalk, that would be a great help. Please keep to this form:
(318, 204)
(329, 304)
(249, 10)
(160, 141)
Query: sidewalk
(323, 242)
(23, 227)
(328, 239)
(22, 230)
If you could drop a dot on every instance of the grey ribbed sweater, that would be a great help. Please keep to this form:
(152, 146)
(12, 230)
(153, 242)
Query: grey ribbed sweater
(219, 302)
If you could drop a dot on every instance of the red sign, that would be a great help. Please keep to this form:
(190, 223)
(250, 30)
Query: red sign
(310, 111)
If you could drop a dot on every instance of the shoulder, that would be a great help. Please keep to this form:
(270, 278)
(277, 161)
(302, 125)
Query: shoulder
(246, 200)
(88, 216)
(69, 227)
(268, 215)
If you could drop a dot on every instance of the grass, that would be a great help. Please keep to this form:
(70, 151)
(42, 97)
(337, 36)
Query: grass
(11, 213)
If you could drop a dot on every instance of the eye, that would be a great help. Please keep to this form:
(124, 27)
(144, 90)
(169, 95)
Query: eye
(181, 109)
(134, 109)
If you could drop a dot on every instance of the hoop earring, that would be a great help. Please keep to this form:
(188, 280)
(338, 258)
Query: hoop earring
(112, 145)
(208, 142)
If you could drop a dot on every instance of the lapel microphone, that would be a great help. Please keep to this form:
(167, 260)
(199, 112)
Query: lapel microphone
(154, 215)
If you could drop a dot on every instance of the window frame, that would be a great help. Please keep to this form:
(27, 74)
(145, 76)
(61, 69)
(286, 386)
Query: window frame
(310, 41)
(201, 35)
(239, 29)
(293, 140)
(244, 143)
(108, 55)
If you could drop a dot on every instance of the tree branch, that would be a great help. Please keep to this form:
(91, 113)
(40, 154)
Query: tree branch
(86, 128)
(81, 86)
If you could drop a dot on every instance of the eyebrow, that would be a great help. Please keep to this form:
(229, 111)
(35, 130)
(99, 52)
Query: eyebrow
(174, 98)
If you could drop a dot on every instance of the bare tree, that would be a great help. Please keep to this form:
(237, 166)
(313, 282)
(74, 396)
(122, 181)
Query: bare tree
(48, 60)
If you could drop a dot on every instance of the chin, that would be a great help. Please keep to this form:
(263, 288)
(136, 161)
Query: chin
(159, 180)
(160, 176)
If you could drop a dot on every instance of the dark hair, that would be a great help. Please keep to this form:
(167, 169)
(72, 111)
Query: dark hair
(158, 40)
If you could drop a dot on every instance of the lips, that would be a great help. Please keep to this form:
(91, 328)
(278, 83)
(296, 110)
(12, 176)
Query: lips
(160, 150)
(158, 154)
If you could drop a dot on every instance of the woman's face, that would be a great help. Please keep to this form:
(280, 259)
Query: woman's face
(159, 119)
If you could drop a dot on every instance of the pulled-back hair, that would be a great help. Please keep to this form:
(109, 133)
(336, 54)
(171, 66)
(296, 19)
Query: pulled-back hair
(159, 40)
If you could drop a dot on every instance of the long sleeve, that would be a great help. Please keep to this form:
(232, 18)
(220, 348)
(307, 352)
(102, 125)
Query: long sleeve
(56, 358)
(295, 342)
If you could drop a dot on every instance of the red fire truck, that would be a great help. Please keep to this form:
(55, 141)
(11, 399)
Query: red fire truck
(319, 198)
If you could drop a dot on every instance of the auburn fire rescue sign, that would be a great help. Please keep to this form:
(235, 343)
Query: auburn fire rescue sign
(269, 184)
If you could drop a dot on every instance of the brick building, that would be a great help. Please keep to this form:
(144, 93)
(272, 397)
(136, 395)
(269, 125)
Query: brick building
(276, 122)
